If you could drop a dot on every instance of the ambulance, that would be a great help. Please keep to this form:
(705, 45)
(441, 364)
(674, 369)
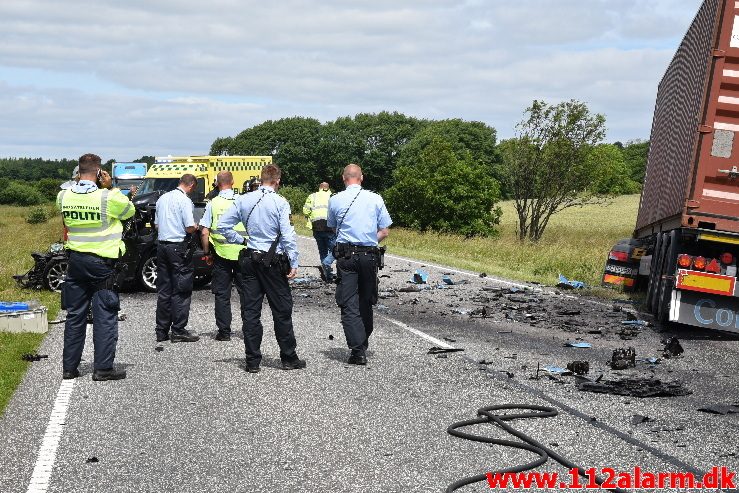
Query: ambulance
(164, 175)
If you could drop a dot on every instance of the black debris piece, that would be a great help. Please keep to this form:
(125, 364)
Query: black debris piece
(385, 276)
(595, 332)
(480, 313)
(635, 387)
(330, 337)
(628, 333)
(92, 460)
(579, 367)
(672, 348)
(518, 299)
(623, 358)
(449, 339)
(444, 350)
(568, 312)
(630, 316)
(33, 357)
(617, 308)
(722, 409)
(483, 274)
(440, 356)
(410, 289)
(159, 349)
(638, 419)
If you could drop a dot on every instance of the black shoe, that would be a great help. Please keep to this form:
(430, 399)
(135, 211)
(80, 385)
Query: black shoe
(110, 374)
(184, 337)
(357, 359)
(162, 336)
(297, 364)
(222, 337)
(70, 374)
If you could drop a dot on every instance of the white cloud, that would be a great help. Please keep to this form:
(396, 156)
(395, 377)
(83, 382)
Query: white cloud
(169, 76)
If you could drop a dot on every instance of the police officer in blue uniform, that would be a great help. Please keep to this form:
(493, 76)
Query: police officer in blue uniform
(270, 259)
(175, 270)
(361, 222)
(92, 211)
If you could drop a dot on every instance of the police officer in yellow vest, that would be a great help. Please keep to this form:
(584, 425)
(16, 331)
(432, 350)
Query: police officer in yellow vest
(92, 212)
(225, 255)
(316, 210)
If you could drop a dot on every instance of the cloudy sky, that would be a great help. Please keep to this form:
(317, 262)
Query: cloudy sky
(134, 77)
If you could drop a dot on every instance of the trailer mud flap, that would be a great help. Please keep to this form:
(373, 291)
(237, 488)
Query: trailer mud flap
(701, 310)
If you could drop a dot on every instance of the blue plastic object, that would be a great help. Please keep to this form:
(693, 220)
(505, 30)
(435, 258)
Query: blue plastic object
(569, 284)
(13, 306)
(420, 277)
(581, 345)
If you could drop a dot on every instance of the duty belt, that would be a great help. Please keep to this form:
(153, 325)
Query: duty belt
(348, 247)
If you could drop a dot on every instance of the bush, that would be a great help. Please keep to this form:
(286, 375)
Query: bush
(444, 193)
(295, 196)
(17, 193)
(48, 187)
(37, 215)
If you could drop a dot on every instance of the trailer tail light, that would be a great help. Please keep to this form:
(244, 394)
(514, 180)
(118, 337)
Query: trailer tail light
(699, 263)
(714, 266)
(618, 256)
(727, 258)
(685, 261)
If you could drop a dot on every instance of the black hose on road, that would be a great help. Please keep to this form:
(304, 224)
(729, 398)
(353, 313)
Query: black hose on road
(487, 415)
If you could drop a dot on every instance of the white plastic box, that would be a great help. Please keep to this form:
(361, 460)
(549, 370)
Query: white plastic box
(26, 321)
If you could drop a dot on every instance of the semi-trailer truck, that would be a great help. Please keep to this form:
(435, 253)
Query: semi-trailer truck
(686, 241)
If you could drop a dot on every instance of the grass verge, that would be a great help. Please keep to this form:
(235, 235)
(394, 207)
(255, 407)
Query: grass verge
(575, 244)
(17, 240)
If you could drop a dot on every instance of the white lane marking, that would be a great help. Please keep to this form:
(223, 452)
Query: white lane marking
(47, 452)
(423, 335)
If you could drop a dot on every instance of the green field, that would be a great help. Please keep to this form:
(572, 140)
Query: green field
(575, 244)
(17, 240)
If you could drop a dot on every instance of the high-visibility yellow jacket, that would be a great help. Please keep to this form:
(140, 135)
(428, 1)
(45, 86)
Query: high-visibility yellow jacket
(316, 207)
(93, 220)
(219, 205)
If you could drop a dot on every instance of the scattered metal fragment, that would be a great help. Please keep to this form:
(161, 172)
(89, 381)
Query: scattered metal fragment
(579, 367)
(449, 339)
(635, 387)
(444, 350)
(672, 348)
(33, 357)
(92, 460)
(159, 349)
(628, 333)
(636, 323)
(555, 370)
(483, 274)
(722, 409)
(651, 360)
(330, 337)
(638, 419)
(480, 313)
(122, 316)
(623, 358)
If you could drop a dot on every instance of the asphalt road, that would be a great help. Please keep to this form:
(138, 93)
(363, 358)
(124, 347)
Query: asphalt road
(190, 419)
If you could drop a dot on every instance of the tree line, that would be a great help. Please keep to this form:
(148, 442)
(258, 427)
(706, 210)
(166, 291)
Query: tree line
(441, 175)
(448, 175)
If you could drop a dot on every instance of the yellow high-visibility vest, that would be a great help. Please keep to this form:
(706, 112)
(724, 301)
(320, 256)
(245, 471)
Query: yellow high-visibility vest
(219, 205)
(93, 221)
(316, 207)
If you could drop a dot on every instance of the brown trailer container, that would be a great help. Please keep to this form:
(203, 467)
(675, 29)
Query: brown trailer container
(692, 176)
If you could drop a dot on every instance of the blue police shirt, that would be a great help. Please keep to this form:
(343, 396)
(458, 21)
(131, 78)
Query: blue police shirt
(173, 215)
(207, 218)
(270, 214)
(365, 216)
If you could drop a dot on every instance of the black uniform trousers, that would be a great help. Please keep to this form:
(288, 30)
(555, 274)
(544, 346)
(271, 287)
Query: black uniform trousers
(323, 241)
(260, 280)
(355, 294)
(175, 272)
(225, 274)
(86, 285)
